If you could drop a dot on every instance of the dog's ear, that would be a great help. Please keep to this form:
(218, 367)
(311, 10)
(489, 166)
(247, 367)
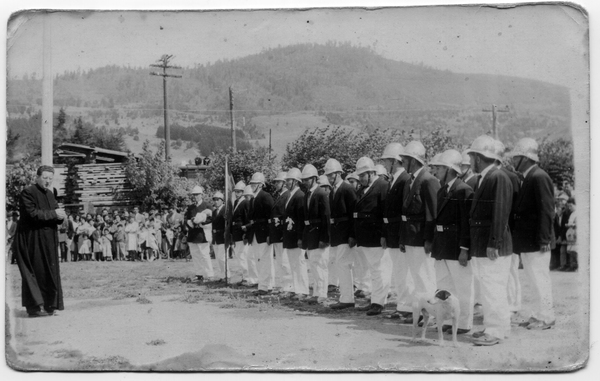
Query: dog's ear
(442, 294)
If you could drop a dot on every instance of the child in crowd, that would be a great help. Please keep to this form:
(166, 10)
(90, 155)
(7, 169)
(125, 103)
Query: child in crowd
(85, 246)
(106, 245)
(132, 238)
(151, 242)
(120, 239)
(97, 243)
(572, 236)
(142, 236)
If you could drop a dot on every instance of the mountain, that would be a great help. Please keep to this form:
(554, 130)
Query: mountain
(310, 85)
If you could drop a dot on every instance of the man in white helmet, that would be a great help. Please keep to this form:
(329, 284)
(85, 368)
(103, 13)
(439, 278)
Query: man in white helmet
(293, 219)
(342, 200)
(467, 175)
(534, 230)
(283, 279)
(240, 218)
(390, 239)
(451, 238)
(491, 241)
(332, 276)
(419, 210)
(251, 254)
(196, 216)
(218, 234)
(352, 179)
(368, 225)
(315, 236)
(260, 212)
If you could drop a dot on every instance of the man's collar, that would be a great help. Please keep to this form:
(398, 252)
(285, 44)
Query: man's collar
(451, 182)
(486, 170)
(417, 172)
(528, 170)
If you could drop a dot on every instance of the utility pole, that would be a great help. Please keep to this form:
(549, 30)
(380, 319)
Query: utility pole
(232, 119)
(164, 64)
(269, 143)
(494, 110)
(47, 93)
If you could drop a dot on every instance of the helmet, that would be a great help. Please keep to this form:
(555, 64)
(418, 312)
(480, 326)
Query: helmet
(416, 150)
(380, 170)
(239, 186)
(332, 166)
(499, 148)
(248, 191)
(294, 174)
(393, 151)
(323, 181)
(526, 147)
(436, 160)
(484, 145)
(257, 178)
(466, 159)
(218, 195)
(198, 190)
(451, 158)
(352, 175)
(309, 171)
(364, 164)
(280, 176)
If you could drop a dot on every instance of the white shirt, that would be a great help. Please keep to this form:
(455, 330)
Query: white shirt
(485, 172)
(528, 170)
(396, 175)
(310, 192)
(291, 194)
(414, 176)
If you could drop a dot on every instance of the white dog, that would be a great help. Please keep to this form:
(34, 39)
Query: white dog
(443, 306)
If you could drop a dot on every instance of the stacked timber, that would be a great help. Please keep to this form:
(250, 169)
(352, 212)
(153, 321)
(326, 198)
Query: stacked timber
(102, 185)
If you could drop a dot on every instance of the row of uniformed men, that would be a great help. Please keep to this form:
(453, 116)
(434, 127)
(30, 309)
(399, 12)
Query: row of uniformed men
(453, 230)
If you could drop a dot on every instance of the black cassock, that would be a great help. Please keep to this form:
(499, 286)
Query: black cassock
(36, 248)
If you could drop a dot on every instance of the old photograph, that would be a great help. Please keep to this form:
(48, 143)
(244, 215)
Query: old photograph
(342, 189)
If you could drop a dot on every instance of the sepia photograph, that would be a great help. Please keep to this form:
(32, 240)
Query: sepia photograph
(310, 187)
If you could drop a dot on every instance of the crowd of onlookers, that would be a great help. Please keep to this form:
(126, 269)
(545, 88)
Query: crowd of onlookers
(564, 255)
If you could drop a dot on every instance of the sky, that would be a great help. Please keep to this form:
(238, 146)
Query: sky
(538, 42)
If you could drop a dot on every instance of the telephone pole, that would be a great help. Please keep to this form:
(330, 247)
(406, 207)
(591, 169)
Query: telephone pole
(233, 146)
(164, 64)
(494, 110)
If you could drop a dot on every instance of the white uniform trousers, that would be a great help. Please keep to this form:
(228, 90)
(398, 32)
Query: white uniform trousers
(252, 260)
(220, 257)
(265, 265)
(493, 280)
(361, 272)
(201, 259)
(458, 280)
(332, 270)
(537, 269)
(317, 261)
(380, 266)
(402, 281)
(514, 285)
(344, 257)
(283, 272)
(422, 270)
(299, 270)
(239, 253)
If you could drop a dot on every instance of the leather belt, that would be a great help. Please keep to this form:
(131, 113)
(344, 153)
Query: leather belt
(363, 215)
(392, 220)
(481, 223)
(413, 219)
(259, 221)
(446, 228)
(313, 221)
(339, 219)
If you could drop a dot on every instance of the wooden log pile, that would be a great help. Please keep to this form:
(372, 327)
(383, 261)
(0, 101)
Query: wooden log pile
(101, 185)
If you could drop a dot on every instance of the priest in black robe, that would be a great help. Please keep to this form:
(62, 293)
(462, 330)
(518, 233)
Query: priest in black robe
(36, 246)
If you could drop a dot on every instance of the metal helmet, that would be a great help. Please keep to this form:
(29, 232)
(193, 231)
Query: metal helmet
(353, 176)
(198, 190)
(452, 159)
(239, 186)
(257, 178)
(526, 147)
(416, 150)
(499, 148)
(436, 160)
(248, 191)
(294, 174)
(380, 170)
(393, 151)
(309, 171)
(280, 176)
(218, 195)
(323, 181)
(364, 164)
(486, 146)
(466, 159)
(332, 166)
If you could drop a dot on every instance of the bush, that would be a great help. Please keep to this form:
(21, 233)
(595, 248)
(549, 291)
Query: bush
(19, 176)
(556, 158)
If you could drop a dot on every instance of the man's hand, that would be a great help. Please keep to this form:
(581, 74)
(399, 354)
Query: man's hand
(268, 240)
(383, 243)
(492, 253)
(351, 242)
(402, 248)
(300, 243)
(544, 248)
(61, 214)
(323, 245)
(463, 257)
(244, 228)
(245, 240)
(427, 246)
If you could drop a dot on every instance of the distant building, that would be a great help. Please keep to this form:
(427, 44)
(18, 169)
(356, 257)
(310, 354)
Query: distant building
(88, 154)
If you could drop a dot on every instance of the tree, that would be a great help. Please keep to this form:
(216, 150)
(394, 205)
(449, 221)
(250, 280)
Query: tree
(556, 158)
(60, 133)
(19, 176)
(438, 141)
(11, 142)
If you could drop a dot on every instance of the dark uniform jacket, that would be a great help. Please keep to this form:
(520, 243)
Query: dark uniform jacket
(392, 213)
(276, 220)
(260, 211)
(419, 209)
(341, 206)
(516, 183)
(490, 211)
(452, 222)
(316, 219)
(293, 220)
(368, 214)
(472, 181)
(196, 234)
(218, 225)
(534, 213)
(239, 218)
